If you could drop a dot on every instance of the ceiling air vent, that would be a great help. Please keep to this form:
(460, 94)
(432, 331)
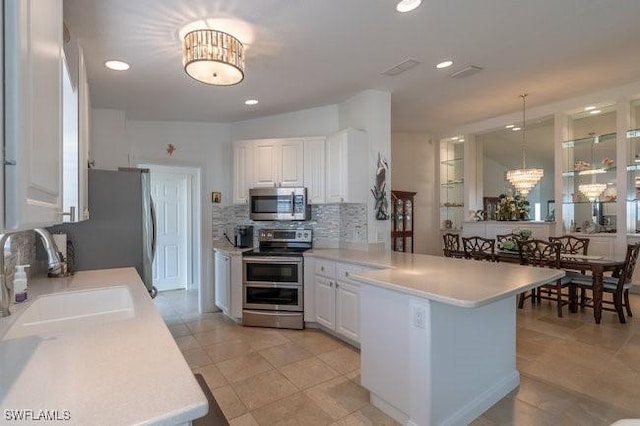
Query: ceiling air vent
(465, 72)
(402, 67)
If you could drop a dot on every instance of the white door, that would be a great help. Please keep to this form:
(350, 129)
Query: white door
(169, 192)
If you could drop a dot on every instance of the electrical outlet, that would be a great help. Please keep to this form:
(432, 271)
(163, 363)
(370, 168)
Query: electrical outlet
(419, 317)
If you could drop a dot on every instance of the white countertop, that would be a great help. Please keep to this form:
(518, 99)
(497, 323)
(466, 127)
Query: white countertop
(459, 282)
(116, 373)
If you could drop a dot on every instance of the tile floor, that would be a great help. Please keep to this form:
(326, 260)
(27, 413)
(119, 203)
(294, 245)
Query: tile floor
(573, 372)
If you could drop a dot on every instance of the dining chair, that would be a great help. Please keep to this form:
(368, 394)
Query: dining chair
(574, 245)
(452, 246)
(479, 248)
(618, 285)
(547, 255)
(514, 238)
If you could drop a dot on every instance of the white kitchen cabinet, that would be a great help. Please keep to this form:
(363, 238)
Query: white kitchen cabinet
(228, 283)
(33, 113)
(222, 281)
(84, 131)
(315, 169)
(337, 298)
(278, 162)
(242, 171)
(347, 159)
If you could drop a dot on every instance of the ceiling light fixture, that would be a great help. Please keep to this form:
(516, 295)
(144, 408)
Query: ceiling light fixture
(589, 108)
(444, 64)
(404, 6)
(524, 180)
(515, 129)
(213, 57)
(509, 126)
(595, 111)
(251, 102)
(117, 65)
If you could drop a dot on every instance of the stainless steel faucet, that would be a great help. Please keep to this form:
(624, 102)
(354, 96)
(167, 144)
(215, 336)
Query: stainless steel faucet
(56, 265)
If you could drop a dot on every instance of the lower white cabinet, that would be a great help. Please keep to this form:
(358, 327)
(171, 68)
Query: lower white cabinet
(337, 298)
(228, 283)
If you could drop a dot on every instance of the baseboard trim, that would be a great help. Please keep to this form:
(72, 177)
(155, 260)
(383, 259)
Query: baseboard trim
(389, 409)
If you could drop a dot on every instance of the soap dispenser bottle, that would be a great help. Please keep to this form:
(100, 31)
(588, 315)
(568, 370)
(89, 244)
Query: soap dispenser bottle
(20, 283)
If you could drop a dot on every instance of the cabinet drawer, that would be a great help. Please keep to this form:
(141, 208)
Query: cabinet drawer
(326, 268)
(344, 270)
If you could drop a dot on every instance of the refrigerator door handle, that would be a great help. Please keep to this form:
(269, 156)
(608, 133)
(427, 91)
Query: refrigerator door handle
(153, 230)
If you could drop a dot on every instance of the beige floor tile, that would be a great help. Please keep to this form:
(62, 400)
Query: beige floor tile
(244, 420)
(367, 416)
(212, 376)
(179, 330)
(262, 338)
(511, 411)
(196, 358)
(285, 354)
(530, 344)
(222, 351)
(202, 325)
(354, 376)
(229, 402)
(263, 388)
(603, 335)
(343, 360)
(617, 385)
(339, 397)
(308, 372)
(318, 342)
(243, 367)
(217, 335)
(297, 409)
(186, 343)
(629, 354)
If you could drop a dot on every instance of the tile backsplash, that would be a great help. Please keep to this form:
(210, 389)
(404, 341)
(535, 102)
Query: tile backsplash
(332, 224)
(20, 250)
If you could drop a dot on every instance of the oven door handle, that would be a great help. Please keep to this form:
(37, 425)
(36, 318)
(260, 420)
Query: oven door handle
(275, 259)
(275, 314)
(272, 284)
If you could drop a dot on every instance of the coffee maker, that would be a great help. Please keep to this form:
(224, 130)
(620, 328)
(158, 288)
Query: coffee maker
(244, 236)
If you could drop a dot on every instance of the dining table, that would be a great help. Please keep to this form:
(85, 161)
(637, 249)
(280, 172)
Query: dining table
(597, 265)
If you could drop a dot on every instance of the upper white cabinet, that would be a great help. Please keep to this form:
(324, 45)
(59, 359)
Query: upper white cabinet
(242, 171)
(315, 169)
(347, 157)
(84, 130)
(33, 113)
(278, 162)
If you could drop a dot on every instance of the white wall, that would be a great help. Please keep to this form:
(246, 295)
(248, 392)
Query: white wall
(413, 168)
(118, 142)
(371, 111)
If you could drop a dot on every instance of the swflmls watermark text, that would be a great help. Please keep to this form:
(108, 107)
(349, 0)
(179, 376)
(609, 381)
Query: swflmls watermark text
(37, 415)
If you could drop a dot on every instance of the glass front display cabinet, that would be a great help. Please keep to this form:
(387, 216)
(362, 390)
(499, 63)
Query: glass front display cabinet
(402, 237)
(633, 170)
(589, 174)
(451, 184)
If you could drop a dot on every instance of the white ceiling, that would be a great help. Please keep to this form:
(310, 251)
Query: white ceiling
(308, 53)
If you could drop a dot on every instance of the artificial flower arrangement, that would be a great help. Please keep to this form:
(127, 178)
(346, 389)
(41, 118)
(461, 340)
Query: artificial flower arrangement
(513, 206)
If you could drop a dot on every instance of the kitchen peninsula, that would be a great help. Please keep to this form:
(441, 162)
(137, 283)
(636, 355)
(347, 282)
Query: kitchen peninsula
(437, 335)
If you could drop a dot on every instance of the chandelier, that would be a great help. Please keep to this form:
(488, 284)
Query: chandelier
(213, 57)
(524, 180)
(592, 190)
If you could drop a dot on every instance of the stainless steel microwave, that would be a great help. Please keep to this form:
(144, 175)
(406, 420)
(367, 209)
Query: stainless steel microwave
(279, 204)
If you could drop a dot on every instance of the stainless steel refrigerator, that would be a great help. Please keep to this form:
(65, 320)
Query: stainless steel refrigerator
(121, 230)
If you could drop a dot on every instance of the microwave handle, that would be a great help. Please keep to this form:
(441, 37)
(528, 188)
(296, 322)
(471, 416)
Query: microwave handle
(293, 203)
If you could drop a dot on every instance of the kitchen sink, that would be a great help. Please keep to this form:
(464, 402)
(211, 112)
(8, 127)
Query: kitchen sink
(57, 312)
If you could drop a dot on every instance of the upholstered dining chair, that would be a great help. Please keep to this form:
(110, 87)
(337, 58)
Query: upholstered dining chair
(618, 285)
(479, 248)
(574, 245)
(514, 238)
(547, 255)
(452, 246)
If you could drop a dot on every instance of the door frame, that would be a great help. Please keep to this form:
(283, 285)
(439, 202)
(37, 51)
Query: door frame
(194, 240)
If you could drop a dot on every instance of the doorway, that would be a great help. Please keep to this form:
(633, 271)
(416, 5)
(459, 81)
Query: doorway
(173, 191)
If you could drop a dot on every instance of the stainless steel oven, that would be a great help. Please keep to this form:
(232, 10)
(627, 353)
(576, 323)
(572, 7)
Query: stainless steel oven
(278, 204)
(272, 279)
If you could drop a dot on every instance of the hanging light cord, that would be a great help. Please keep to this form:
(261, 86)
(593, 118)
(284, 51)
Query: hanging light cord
(524, 158)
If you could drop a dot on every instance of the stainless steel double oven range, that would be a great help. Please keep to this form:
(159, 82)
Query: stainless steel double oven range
(273, 279)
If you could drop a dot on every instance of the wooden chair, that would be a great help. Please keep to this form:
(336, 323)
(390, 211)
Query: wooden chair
(501, 238)
(617, 285)
(479, 248)
(547, 255)
(573, 245)
(452, 246)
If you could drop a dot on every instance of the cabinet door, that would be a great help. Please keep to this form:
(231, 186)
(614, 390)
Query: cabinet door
(242, 171)
(314, 169)
(266, 155)
(291, 163)
(336, 168)
(325, 302)
(222, 282)
(348, 310)
(84, 118)
(33, 106)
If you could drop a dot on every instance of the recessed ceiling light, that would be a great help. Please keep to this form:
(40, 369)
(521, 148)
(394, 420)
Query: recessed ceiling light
(589, 108)
(509, 126)
(455, 138)
(407, 5)
(444, 64)
(515, 129)
(117, 65)
(595, 111)
(251, 102)
(461, 140)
